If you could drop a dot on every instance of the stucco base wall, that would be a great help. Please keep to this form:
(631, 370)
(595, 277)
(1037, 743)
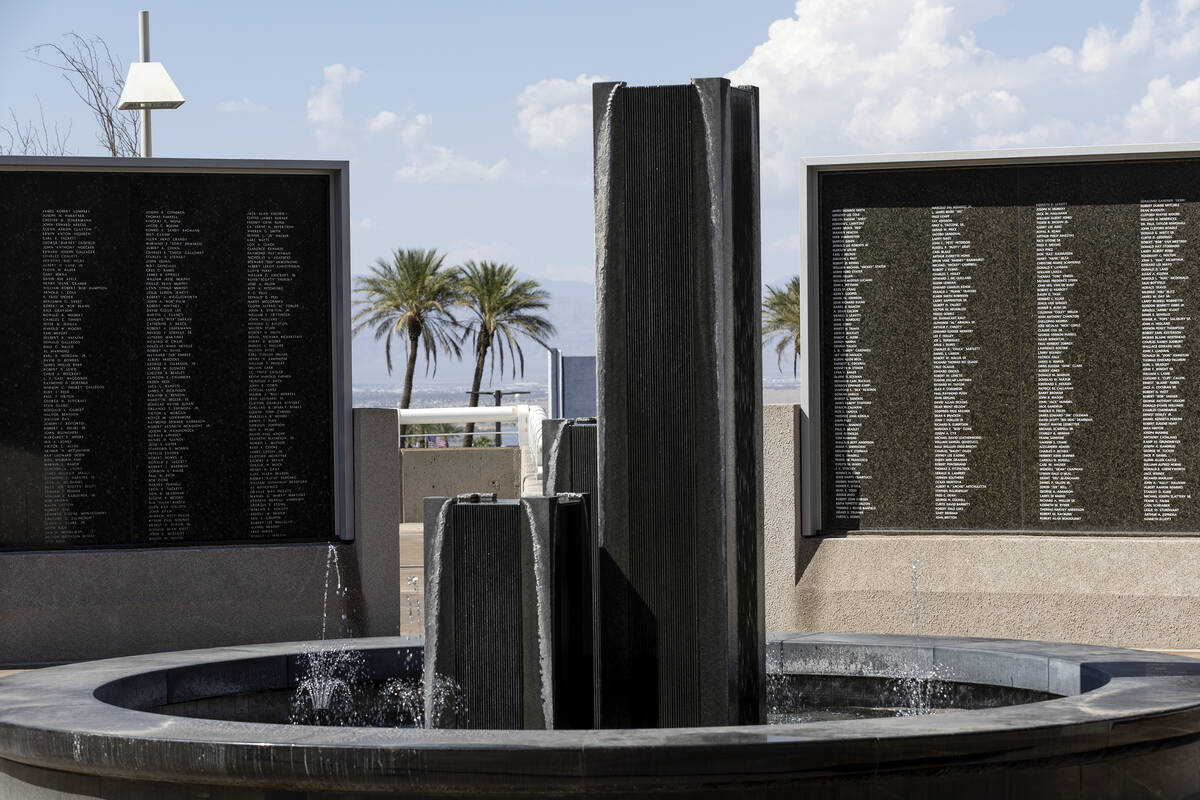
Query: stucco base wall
(1124, 591)
(1128, 592)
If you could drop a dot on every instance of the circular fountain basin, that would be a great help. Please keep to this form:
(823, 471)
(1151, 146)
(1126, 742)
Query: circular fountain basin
(1122, 723)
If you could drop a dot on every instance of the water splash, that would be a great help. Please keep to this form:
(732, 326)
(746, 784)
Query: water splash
(433, 574)
(783, 696)
(541, 579)
(333, 568)
(329, 691)
(916, 623)
(922, 690)
(414, 600)
(550, 476)
(401, 704)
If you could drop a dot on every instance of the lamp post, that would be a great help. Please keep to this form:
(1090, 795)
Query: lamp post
(147, 85)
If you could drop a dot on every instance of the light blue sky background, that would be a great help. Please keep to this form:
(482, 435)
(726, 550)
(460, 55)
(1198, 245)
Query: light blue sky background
(467, 124)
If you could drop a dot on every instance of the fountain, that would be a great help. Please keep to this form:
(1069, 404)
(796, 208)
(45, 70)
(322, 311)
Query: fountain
(201, 721)
(668, 606)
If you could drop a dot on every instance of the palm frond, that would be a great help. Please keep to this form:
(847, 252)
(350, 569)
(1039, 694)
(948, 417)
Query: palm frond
(502, 309)
(409, 296)
(784, 317)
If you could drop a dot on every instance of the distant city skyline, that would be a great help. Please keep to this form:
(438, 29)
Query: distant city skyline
(467, 125)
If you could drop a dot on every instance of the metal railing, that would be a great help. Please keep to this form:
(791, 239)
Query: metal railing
(527, 418)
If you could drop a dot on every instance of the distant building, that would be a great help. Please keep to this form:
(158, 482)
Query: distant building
(572, 385)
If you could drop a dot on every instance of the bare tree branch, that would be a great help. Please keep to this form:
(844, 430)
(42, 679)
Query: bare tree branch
(96, 78)
(30, 139)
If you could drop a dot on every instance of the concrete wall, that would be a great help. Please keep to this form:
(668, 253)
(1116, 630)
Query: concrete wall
(73, 605)
(447, 471)
(376, 549)
(1131, 591)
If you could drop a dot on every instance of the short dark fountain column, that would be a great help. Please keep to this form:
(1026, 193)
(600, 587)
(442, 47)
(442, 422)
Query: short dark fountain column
(508, 611)
(679, 373)
(569, 456)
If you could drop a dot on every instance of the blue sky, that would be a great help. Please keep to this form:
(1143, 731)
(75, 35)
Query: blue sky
(467, 124)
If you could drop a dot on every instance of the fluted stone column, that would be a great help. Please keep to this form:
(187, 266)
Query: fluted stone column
(679, 370)
(507, 620)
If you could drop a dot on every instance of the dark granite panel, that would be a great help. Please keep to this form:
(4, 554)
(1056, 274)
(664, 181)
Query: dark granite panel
(912, 437)
(1071, 398)
(66, 317)
(1099, 373)
(167, 358)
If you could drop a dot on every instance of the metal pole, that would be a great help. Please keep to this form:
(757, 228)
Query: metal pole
(498, 394)
(144, 47)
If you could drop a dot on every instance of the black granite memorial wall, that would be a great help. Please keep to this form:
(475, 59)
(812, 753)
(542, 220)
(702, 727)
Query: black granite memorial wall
(165, 373)
(679, 593)
(1010, 347)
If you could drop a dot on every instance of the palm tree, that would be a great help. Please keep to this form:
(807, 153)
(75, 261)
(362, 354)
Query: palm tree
(410, 296)
(783, 316)
(502, 309)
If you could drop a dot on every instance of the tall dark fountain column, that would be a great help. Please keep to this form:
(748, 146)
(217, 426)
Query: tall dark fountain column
(678, 281)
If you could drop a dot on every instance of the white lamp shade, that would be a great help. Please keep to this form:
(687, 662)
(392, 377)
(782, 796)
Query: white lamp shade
(149, 86)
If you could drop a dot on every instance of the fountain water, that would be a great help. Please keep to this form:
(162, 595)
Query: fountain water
(336, 688)
(326, 693)
(920, 688)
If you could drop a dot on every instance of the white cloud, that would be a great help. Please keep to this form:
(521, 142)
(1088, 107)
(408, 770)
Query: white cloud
(243, 105)
(443, 165)
(411, 132)
(1186, 43)
(433, 163)
(1040, 134)
(366, 224)
(415, 130)
(1102, 48)
(325, 101)
(556, 113)
(1165, 111)
(325, 104)
(846, 76)
(384, 120)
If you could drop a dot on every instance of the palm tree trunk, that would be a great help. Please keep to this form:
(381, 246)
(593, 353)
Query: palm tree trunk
(480, 358)
(409, 369)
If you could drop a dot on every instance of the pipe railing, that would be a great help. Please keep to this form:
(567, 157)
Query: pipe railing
(528, 419)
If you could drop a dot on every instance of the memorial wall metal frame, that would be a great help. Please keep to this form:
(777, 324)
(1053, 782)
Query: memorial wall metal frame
(1038, 218)
(340, 444)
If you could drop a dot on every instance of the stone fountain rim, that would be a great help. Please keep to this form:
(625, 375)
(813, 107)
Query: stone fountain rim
(52, 719)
